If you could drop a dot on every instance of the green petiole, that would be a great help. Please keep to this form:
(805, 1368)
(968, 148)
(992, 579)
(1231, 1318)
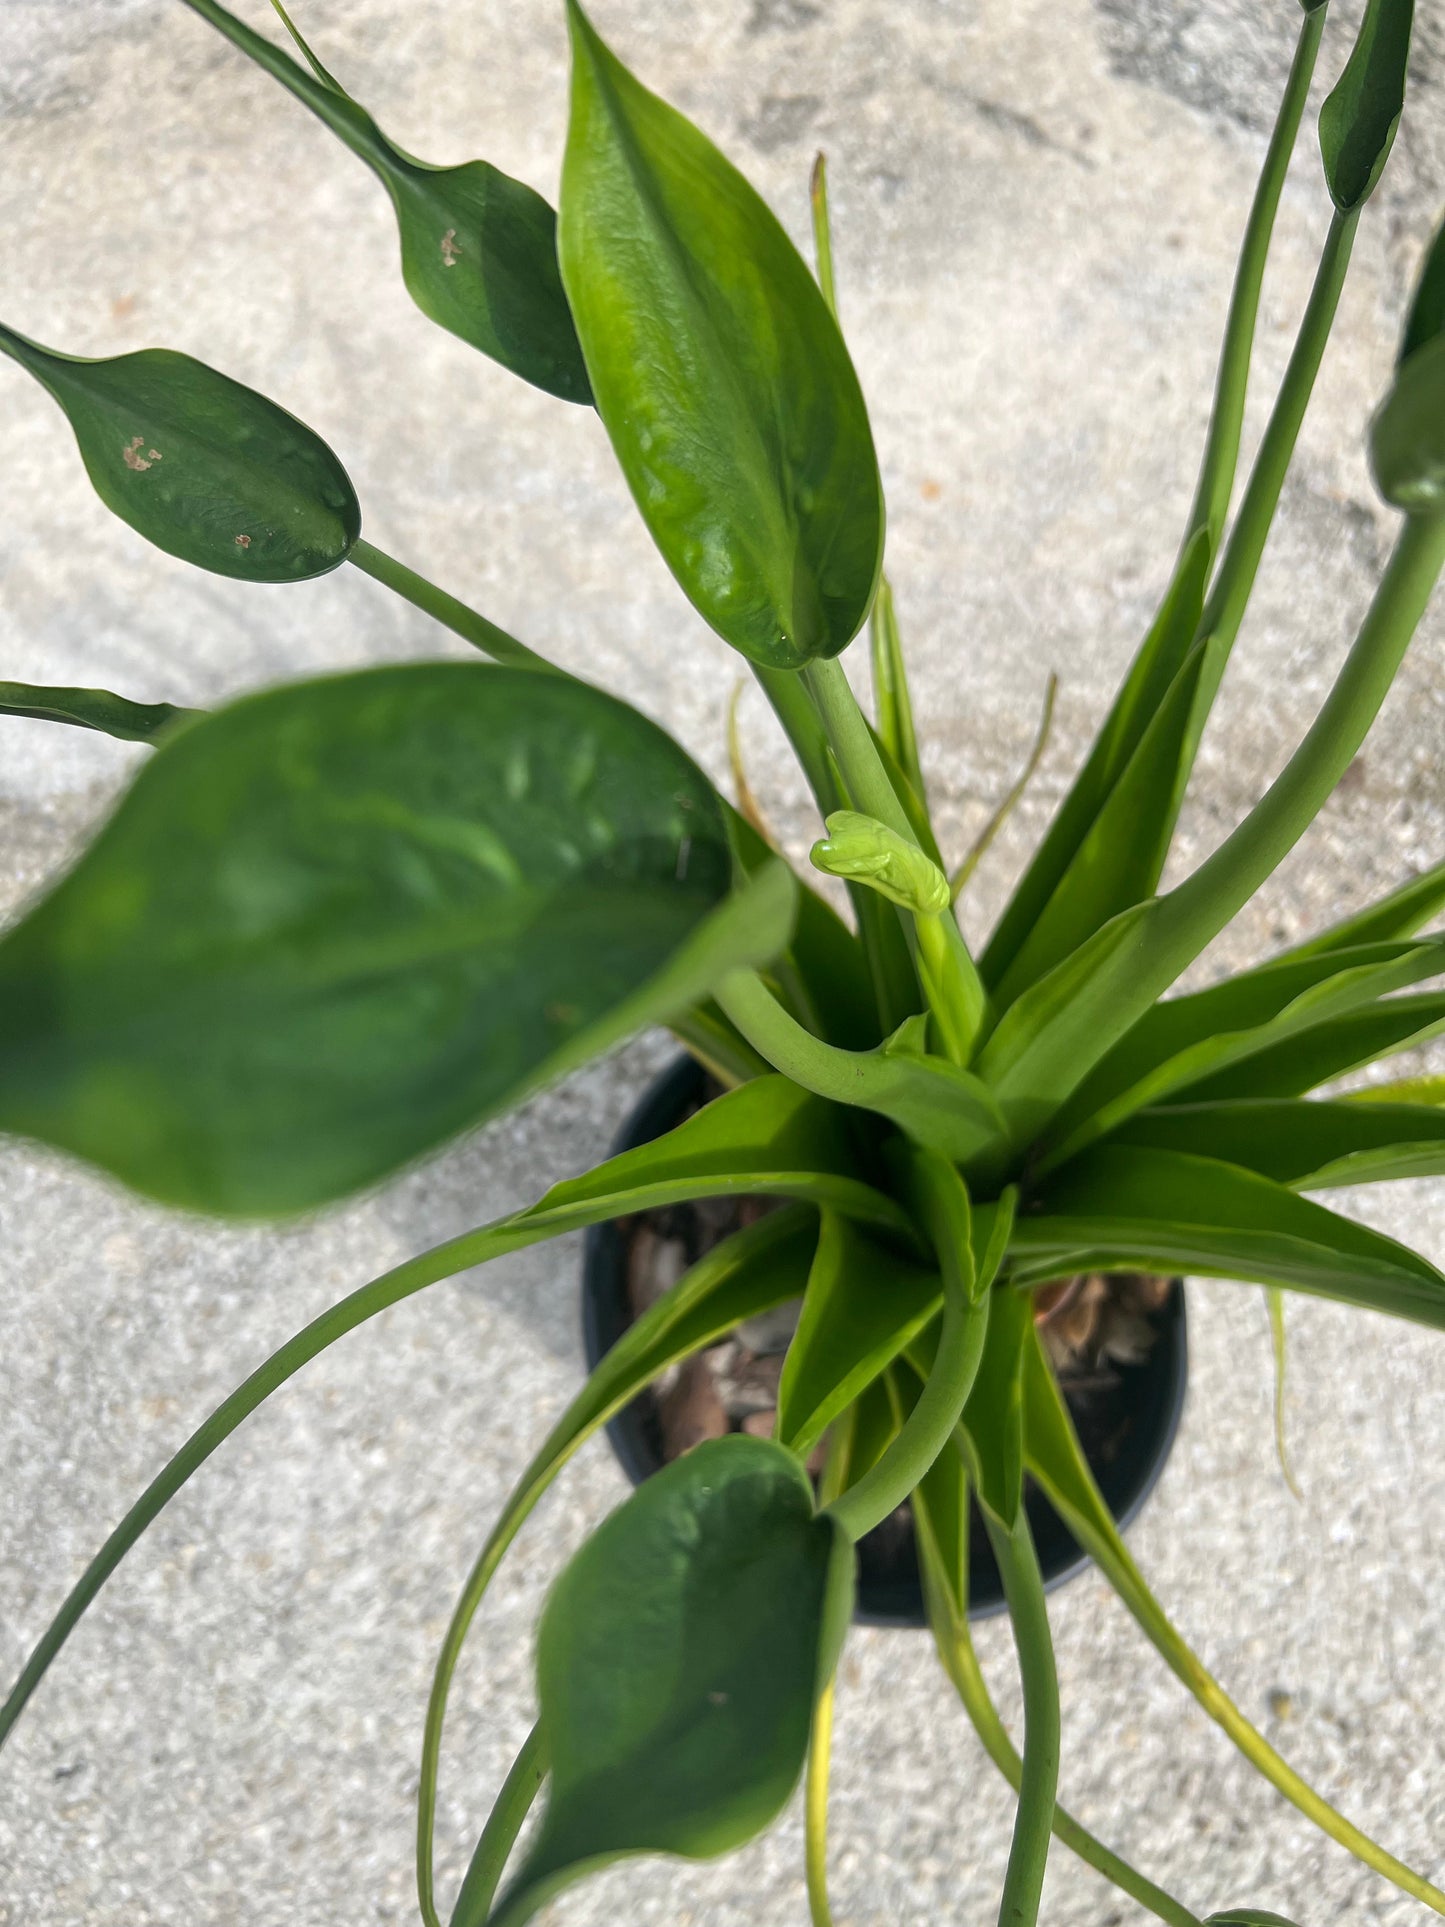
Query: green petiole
(1038, 1782)
(499, 1835)
(467, 623)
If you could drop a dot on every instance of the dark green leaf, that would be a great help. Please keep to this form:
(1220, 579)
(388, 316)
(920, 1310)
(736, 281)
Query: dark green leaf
(478, 249)
(1407, 435)
(678, 1661)
(1307, 1145)
(198, 464)
(863, 1305)
(91, 709)
(337, 922)
(1359, 119)
(1426, 319)
(1325, 1051)
(718, 372)
(1127, 1207)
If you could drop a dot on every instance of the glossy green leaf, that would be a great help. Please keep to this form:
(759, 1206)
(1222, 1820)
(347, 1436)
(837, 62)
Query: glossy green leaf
(94, 709)
(678, 1661)
(1184, 1040)
(1407, 435)
(1307, 1144)
(1129, 1207)
(1161, 656)
(718, 372)
(336, 922)
(863, 1305)
(1359, 119)
(478, 249)
(201, 466)
(1316, 1056)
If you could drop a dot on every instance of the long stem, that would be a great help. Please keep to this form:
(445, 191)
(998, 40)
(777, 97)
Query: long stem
(815, 1812)
(499, 1835)
(467, 623)
(1039, 1780)
(1221, 451)
(983, 841)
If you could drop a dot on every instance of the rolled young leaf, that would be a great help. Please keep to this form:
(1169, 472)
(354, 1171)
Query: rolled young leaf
(96, 709)
(478, 249)
(1359, 120)
(678, 1661)
(336, 922)
(719, 374)
(201, 466)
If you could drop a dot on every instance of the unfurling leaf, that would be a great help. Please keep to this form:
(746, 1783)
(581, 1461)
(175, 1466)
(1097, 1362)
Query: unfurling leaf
(679, 1659)
(478, 249)
(336, 922)
(95, 709)
(200, 465)
(1359, 120)
(864, 850)
(718, 372)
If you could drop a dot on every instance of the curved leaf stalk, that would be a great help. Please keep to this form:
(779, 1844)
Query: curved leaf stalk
(467, 623)
(1081, 1506)
(985, 837)
(960, 1661)
(1039, 1779)
(499, 1835)
(1221, 451)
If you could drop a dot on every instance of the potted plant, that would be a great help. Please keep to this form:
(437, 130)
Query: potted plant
(336, 922)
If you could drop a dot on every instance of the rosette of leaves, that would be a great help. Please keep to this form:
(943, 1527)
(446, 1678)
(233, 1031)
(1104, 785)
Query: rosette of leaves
(334, 923)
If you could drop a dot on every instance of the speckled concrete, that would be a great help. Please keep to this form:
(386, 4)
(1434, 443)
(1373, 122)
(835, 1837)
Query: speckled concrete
(1038, 204)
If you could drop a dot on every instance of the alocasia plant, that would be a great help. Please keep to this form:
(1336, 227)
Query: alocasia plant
(334, 923)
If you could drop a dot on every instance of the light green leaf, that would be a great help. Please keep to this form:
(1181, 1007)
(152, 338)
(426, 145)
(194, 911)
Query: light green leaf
(1407, 435)
(94, 709)
(718, 372)
(1307, 1144)
(993, 1420)
(1316, 1056)
(201, 466)
(478, 249)
(335, 923)
(1359, 119)
(1128, 1207)
(678, 1662)
(863, 1305)
(1400, 914)
(891, 697)
(866, 851)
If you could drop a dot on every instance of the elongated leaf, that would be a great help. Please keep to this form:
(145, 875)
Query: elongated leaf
(478, 249)
(1128, 1207)
(91, 709)
(1185, 1040)
(1325, 1051)
(718, 372)
(1407, 435)
(201, 466)
(336, 922)
(678, 1661)
(1160, 658)
(993, 1418)
(1308, 1145)
(1400, 914)
(1359, 120)
(863, 1305)
(1121, 856)
(1247, 1917)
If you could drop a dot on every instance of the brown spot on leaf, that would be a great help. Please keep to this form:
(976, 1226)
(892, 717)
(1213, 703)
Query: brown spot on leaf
(243, 541)
(133, 457)
(450, 256)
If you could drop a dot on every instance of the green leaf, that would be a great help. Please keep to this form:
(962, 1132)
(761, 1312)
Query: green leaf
(1359, 119)
(993, 1420)
(337, 922)
(201, 466)
(1250, 1916)
(863, 1305)
(1308, 1145)
(1407, 435)
(678, 1661)
(1400, 914)
(718, 372)
(1129, 1207)
(1161, 656)
(891, 697)
(1184, 1040)
(1426, 319)
(1325, 1051)
(478, 249)
(94, 709)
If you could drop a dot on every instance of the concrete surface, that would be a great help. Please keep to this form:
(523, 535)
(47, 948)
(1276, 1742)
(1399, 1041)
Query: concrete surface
(1038, 204)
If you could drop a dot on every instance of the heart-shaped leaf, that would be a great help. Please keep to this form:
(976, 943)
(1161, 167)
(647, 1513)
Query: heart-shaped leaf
(337, 922)
(678, 1661)
(718, 372)
(478, 249)
(95, 709)
(200, 465)
(1359, 119)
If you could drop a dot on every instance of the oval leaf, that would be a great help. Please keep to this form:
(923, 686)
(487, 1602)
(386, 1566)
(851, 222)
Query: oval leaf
(200, 465)
(1407, 435)
(478, 249)
(678, 1661)
(1359, 119)
(337, 922)
(718, 372)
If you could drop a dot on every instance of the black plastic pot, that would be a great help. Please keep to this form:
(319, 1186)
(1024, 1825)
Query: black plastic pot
(1136, 1439)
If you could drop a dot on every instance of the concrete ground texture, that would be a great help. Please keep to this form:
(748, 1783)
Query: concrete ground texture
(1038, 205)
